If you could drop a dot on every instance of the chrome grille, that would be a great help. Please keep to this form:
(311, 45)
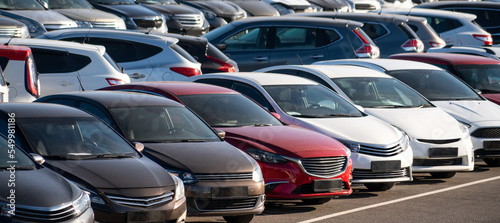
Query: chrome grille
(225, 204)
(143, 202)
(439, 141)
(149, 22)
(486, 133)
(367, 174)
(111, 25)
(188, 20)
(9, 32)
(324, 166)
(224, 176)
(37, 214)
(377, 151)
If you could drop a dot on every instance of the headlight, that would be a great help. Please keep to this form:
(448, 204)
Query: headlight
(186, 177)
(179, 188)
(464, 127)
(353, 147)
(257, 175)
(82, 203)
(94, 197)
(405, 141)
(25, 33)
(209, 15)
(129, 21)
(265, 157)
(282, 9)
(348, 152)
(84, 24)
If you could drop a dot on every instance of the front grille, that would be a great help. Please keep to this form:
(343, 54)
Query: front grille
(377, 151)
(437, 162)
(188, 20)
(324, 166)
(143, 202)
(439, 141)
(149, 22)
(367, 174)
(486, 133)
(36, 214)
(225, 204)
(224, 176)
(365, 7)
(10, 32)
(309, 189)
(110, 25)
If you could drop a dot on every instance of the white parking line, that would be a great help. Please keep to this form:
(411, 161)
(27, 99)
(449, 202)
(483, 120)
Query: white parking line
(399, 200)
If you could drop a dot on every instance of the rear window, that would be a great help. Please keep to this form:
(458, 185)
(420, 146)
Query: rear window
(441, 25)
(374, 30)
(486, 18)
(183, 53)
(50, 61)
(408, 31)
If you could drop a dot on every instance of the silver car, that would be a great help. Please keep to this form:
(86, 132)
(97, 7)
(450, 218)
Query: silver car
(13, 28)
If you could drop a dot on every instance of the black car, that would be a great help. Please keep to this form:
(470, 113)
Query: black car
(260, 42)
(28, 187)
(123, 184)
(218, 13)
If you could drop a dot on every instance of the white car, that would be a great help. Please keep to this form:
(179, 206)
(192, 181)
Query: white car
(455, 28)
(453, 96)
(285, 7)
(364, 5)
(380, 153)
(441, 145)
(19, 81)
(66, 66)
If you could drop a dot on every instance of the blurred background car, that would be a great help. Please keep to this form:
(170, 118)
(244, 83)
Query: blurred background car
(485, 51)
(218, 13)
(18, 65)
(364, 5)
(259, 42)
(285, 7)
(426, 33)
(332, 5)
(11, 28)
(256, 7)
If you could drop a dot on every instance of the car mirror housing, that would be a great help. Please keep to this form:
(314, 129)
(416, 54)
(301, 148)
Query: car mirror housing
(139, 146)
(359, 107)
(38, 158)
(278, 116)
(220, 133)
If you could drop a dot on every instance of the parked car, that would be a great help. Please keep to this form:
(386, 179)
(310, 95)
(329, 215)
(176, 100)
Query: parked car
(12, 28)
(143, 56)
(18, 67)
(441, 145)
(256, 7)
(29, 10)
(122, 183)
(135, 16)
(218, 13)
(487, 13)
(455, 97)
(180, 18)
(65, 66)
(380, 153)
(396, 4)
(219, 179)
(485, 51)
(36, 192)
(266, 41)
(454, 27)
(389, 32)
(296, 163)
(85, 15)
(364, 5)
(332, 5)
(285, 7)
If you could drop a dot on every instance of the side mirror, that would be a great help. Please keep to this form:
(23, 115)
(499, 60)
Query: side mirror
(359, 107)
(221, 46)
(221, 133)
(139, 146)
(38, 158)
(278, 116)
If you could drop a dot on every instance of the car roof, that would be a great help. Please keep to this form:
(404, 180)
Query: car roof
(448, 58)
(297, 20)
(468, 4)
(263, 79)
(340, 71)
(117, 99)
(55, 44)
(355, 16)
(41, 110)
(176, 88)
(115, 33)
(387, 64)
(433, 12)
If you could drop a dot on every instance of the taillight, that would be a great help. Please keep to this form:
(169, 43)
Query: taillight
(485, 38)
(225, 67)
(367, 50)
(186, 71)
(31, 77)
(413, 45)
(113, 81)
(437, 45)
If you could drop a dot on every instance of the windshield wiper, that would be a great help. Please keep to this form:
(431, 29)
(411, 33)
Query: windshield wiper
(306, 116)
(340, 115)
(259, 125)
(57, 157)
(119, 156)
(192, 140)
(394, 106)
(121, 3)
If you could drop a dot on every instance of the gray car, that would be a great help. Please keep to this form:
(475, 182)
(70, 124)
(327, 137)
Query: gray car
(13, 28)
(259, 42)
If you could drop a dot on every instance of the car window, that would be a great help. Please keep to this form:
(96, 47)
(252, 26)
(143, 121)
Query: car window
(68, 4)
(14, 155)
(326, 36)
(485, 17)
(292, 38)
(50, 61)
(374, 30)
(252, 93)
(218, 82)
(94, 110)
(21, 5)
(254, 38)
(3, 62)
(183, 53)
(441, 25)
(315, 78)
(483, 77)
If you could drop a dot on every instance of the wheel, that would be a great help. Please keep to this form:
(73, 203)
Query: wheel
(380, 186)
(239, 218)
(443, 174)
(316, 201)
(492, 161)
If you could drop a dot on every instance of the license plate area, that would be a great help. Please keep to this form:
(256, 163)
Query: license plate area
(449, 152)
(229, 192)
(386, 166)
(491, 145)
(323, 186)
(147, 216)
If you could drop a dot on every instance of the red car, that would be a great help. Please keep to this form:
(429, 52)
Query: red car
(482, 73)
(297, 163)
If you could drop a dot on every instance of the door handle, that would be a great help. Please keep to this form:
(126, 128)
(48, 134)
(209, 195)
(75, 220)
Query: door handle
(260, 58)
(65, 83)
(317, 56)
(137, 76)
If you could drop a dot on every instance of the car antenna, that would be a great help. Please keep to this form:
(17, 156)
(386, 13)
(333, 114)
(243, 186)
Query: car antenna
(149, 31)
(300, 59)
(87, 35)
(8, 42)
(350, 43)
(80, 81)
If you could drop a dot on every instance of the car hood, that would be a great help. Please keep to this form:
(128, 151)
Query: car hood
(495, 98)
(92, 15)
(44, 16)
(420, 123)
(330, 3)
(39, 188)
(471, 111)
(218, 7)
(290, 2)
(367, 129)
(258, 8)
(173, 9)
(200, 157)
(129, 10)
(114, 173)
(289, 141)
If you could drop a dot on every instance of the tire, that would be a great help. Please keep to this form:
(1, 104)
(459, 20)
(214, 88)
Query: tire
(380, 186)
(492, 161)
(443, 174)
(239, 218)
(316, 201)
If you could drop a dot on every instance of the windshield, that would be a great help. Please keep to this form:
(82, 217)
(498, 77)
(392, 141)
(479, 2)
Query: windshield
(113, 2)
(482, 77)
(436, 84)
(21, 5)
(158, 124)
(375, 92)
(157, 1)
(311, 101)
(229, 110)
(75, 138)
(11, 155)
(68, 4)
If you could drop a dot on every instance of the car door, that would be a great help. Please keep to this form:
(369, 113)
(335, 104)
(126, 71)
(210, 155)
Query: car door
(57, 71)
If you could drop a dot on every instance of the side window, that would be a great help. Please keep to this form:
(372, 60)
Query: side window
(316, 79)
(255, 38)
(413, 27)
(326, 36)
(252, 93)
(3, 62)
(51, 61)
(285, 71)
(79, 61)
(218, 82)
(293, 38)
(442, 25)
(95, 111)
(374, 30)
